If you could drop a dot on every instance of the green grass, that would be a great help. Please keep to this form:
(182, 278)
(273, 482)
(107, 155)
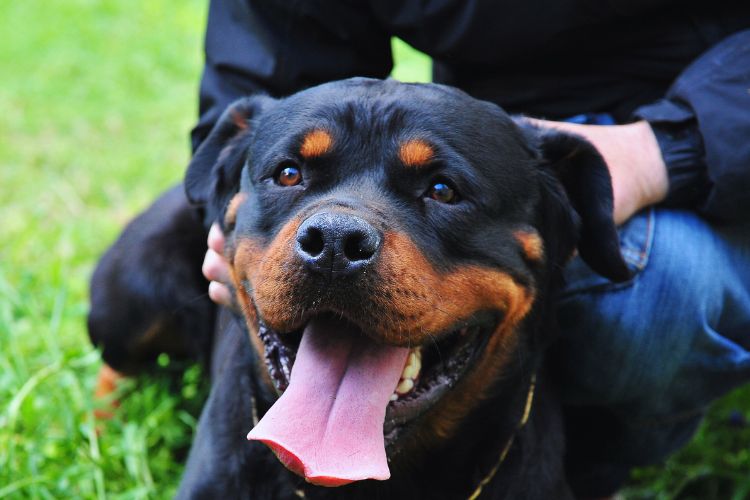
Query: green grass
(97, 99)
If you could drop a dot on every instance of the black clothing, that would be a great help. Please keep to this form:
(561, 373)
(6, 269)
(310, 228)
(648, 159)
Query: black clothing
(704, 120)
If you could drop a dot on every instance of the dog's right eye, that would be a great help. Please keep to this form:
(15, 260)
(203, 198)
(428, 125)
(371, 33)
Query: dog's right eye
(442, 192)
(287, 176)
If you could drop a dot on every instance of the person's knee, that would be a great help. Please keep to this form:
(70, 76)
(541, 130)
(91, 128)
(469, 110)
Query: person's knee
(621, 341)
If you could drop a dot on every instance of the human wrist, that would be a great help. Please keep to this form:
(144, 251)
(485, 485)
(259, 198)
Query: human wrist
(635, 164)
(652, 171)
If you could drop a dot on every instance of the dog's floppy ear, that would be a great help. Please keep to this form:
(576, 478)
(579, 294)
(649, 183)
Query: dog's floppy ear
(213, 174)
(583, 174)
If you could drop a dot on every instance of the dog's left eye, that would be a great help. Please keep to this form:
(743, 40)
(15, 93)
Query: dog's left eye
(442, 192)
(288, 176)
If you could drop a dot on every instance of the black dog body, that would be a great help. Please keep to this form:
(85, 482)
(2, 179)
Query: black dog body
(147, 293)
(415, 217)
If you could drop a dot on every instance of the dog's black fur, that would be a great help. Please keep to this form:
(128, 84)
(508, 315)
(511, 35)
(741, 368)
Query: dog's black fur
(509, 177)
(148, 294)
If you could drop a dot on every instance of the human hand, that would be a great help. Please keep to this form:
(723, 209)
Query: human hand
(216, 269)
(639, 175)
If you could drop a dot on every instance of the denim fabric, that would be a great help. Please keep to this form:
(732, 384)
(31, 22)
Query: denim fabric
(654, 352)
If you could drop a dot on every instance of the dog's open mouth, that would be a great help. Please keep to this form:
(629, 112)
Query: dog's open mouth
(429, 372)
(346, 396)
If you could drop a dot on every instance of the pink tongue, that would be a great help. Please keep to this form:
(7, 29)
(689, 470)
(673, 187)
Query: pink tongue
(328, 424)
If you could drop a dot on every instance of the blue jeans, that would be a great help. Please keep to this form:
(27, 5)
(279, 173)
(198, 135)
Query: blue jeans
(640, 361)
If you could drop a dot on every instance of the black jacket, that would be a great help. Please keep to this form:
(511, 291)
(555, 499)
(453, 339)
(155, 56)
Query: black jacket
(549, 58)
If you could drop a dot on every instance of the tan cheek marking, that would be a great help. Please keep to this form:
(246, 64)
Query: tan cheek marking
(531, 245)
(231, 216)
(424, 300)
(264, 268)
(316, 143)
(415, 153)
(245, 259)
(273, 280)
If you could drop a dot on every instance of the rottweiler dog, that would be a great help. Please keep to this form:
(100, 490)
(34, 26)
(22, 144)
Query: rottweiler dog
(395, 251)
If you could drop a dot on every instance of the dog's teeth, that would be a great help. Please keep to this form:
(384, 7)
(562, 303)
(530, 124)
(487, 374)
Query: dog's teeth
(404, 386)
(412, 366)
(410, 372)
(409, 375)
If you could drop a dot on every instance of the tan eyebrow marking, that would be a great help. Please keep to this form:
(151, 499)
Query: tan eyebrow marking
(316, 143)
(415, 152)
(531, 245)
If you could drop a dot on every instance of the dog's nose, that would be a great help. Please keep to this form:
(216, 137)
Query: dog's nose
(339, 244)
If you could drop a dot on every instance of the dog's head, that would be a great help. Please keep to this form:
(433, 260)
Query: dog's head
(389, 243)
